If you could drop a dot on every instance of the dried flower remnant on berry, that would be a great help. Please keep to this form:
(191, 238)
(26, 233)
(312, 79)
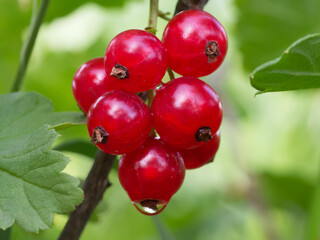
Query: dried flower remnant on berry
(120, 72)
(99, 135)
(203, 134)
(212, 50)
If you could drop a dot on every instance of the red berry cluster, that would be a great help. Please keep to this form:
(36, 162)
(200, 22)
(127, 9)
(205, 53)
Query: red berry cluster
(185, 112)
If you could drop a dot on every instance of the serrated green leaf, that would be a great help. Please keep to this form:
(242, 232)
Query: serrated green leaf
(297, 68)
(32, 186)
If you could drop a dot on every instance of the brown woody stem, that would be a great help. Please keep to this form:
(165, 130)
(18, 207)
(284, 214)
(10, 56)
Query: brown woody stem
(189, 4)
(94, 187)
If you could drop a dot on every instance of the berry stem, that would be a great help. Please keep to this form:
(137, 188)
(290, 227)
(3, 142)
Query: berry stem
(94, 187)
(26, 51)
(152, 28)
(164, 15)
(153, 15)
(151, 94)
(170, 73)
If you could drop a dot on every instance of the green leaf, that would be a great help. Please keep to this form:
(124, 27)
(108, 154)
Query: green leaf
(5, 235)
(32, 186)
(297, 68)
(266, 27)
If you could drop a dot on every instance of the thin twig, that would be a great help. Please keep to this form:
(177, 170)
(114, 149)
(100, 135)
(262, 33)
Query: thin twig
(164, 15)
(94, 187)
(28, 45)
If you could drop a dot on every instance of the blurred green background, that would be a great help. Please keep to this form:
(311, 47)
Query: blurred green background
(265, 177)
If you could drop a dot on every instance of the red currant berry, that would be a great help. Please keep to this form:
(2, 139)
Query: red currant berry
(196, 43)
(197, 157)
(119, 122)
(186, 112)
(151, 175)
(90, 82)
(136, 60)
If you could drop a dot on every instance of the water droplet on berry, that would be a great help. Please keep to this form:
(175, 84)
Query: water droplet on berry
(150, 206)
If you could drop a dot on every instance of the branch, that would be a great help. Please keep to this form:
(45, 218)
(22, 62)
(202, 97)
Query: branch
(94, 187)
(36, 21)
(189, 4)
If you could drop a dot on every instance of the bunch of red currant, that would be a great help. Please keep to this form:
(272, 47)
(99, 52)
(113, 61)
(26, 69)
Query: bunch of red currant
(185, 112)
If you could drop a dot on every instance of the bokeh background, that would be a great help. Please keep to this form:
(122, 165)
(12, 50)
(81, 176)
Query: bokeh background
(264, 181)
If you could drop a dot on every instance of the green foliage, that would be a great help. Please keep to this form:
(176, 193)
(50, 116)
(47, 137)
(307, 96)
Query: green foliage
(266, 27)
(286, 191)
(32, 187)
(313, 226)
(5, 235)
(297, 68)
(60, 8)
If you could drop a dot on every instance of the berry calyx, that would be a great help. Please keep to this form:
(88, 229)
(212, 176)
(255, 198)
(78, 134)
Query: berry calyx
(136, 60)
(99, 135)
(199, 156)
(90, 82)
(119, 122)
(212, 50)
(151, 175)
(186, 111)
(203, 134)
(196, 43)
(119, 71)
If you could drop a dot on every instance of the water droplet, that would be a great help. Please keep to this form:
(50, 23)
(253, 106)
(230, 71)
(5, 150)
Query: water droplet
(150, 206)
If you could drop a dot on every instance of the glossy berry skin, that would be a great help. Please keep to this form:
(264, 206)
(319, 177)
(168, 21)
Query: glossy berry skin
(186, 112)
(197, 157)
(119, 122)
(136, 60)
(155, 172)
(196, 43)
(90, 82)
